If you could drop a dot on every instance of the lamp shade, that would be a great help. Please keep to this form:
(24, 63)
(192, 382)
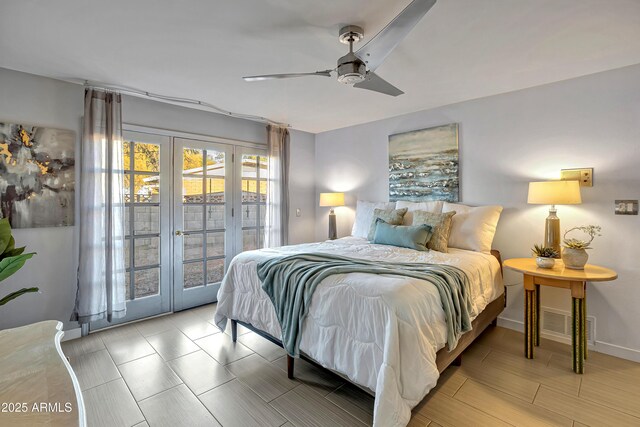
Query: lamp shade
(331, 199)
(554, 193)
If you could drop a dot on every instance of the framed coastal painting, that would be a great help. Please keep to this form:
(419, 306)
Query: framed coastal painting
(423, 165)
(37, 175)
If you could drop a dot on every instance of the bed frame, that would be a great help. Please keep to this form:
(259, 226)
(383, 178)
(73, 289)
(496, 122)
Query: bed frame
(444, 358)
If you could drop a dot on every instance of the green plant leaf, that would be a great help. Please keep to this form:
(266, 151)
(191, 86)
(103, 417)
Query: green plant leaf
(13, 252)
(11, 264)
(5, 234)
(16, 294)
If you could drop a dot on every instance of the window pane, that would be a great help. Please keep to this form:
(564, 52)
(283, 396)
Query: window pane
(147, 251)
(147, 282)
(215, 190)
(192, 160)
(192, 218)
(146, 220)
(215, 244)
(126, 187)
(147, 157)
(215, 217)
(215, 163)
(263, 191)
(146, 188)
(249, 240)
(193, 274)
(215, 270)
(127, 248)
(128, 285)
(263, 214)
(126, 155)
(192, 246)
(249, 190)
(191, 189)
(127, 221)
(249, 216)
(249, 166)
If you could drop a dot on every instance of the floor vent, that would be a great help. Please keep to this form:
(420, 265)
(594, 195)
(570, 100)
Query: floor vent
(558, 323)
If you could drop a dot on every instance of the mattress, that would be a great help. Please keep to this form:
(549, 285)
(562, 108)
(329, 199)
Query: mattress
(381, 332)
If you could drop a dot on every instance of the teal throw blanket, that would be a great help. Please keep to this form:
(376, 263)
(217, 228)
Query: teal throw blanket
(290, 282)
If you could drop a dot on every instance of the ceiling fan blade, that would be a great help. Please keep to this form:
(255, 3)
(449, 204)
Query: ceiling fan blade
(380, 46)
(325, 73)
(377, 84)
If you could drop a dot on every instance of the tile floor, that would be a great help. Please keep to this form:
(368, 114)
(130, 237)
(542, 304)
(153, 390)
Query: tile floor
(180, 370)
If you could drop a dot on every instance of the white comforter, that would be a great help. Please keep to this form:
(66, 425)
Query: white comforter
(382, 332)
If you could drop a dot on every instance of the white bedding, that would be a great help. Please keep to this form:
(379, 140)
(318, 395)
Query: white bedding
(382, 332)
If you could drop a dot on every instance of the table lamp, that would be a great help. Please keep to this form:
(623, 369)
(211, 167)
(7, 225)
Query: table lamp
(332, 200)
(553, 193)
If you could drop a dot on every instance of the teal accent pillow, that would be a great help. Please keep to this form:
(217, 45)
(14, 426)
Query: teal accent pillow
(404, 236)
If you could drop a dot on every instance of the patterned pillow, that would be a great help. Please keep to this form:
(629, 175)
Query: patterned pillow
(390, 216)
(441, 225)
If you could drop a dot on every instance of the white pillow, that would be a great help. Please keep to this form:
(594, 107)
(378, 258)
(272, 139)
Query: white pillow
(434, 206)
(364, 216)
(473, 228)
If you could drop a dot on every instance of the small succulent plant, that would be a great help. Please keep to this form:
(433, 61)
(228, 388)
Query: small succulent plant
(591, 230)
(544, 251)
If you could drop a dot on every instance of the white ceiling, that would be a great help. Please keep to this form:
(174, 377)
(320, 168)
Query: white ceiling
(461, 50)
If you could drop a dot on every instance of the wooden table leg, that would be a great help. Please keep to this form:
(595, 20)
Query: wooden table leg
(584, 316)
(536, 322)
(529, 316)
(578, 335)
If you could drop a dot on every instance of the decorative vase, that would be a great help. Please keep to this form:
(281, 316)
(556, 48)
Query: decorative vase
(574, 258)
(545, 262)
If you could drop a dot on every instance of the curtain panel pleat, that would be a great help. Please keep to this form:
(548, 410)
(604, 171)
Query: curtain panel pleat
(277, 218)
(101, 290)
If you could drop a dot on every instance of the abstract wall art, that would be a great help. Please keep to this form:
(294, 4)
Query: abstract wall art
(423, 165)
(37, 175)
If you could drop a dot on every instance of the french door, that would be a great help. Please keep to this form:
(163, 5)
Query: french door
(191, 206)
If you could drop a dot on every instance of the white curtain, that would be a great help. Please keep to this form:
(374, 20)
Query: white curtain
(277, 220)
(101, 271)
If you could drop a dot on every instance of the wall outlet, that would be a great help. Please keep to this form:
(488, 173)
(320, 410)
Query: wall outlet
(584, 176)
(298, 212)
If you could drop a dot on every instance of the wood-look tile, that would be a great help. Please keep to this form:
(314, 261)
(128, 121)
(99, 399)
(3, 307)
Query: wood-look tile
(611, 395)
(303, 407)
(176, 407)
(220, 347)
(450, 381)
(193, 326)
(536, 371)
(200, 372)
(355, 401)
(508, 408)
(84, 345)
(111, 404)
(449, 411)
(264, 379)
(512, 342)
(142, 424)
(418, 420)
(241, 329)
(154, 326)
(234, 404)
(319, 380)
(117, 333)
(148, 376)
(94, 369)
(620, 376)
(500, 379)
(172, 344)
(206, 312)
(262, 346)
(128, 348)
(582, 410)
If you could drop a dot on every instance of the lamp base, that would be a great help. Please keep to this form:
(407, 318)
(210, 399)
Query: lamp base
(333, 229)
(552, 231)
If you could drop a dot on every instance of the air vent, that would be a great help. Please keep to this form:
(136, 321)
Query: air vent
(557, 323)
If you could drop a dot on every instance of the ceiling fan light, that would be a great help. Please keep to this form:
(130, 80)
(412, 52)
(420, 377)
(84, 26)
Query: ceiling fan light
(351, 69)
(350, 78)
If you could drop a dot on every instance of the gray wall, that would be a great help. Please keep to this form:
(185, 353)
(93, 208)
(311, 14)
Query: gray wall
(26, 98)
(507, 141)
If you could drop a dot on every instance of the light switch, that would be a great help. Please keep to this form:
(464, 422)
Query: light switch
(584, 176)
(298, 212)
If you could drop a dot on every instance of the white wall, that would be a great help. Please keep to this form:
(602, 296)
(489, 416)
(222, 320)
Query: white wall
(505, 142)
(26, 98)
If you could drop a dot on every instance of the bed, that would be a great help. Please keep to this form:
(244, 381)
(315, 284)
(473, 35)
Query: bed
(386, 334)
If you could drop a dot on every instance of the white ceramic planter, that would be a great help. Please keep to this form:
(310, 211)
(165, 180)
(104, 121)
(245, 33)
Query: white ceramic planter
(544, 262)
(574, 258)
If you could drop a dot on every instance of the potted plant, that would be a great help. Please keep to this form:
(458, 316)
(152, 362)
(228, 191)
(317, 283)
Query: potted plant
(11, 260)
(545, 256)
(574, 254)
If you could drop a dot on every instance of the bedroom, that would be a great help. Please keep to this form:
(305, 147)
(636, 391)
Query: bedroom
(532, 87)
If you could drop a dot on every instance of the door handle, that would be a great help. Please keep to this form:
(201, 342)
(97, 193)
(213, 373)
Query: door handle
(178, 233)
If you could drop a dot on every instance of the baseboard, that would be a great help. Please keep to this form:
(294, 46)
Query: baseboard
(72, 334)
(600, 346)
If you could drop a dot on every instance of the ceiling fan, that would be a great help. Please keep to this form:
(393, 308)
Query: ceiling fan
(357, 68)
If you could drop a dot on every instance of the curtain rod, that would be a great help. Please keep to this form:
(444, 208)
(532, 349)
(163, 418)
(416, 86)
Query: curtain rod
(187, 101)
